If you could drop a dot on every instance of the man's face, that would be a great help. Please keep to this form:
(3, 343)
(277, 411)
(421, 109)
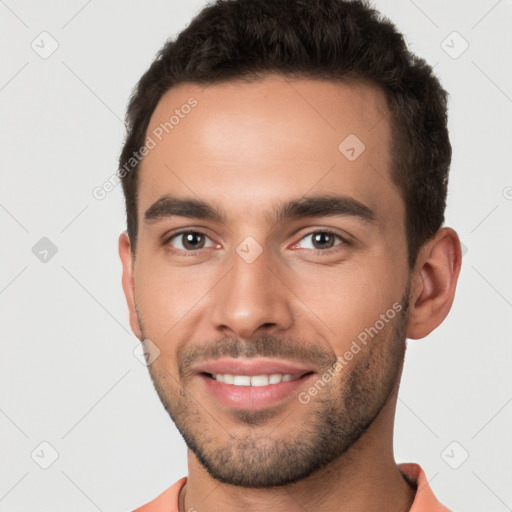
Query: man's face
(262, 290)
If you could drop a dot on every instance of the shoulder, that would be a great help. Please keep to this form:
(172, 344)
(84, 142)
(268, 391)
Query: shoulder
(425, 500)
(167, 501)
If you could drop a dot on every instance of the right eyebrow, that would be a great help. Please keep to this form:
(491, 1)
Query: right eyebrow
(169, 206)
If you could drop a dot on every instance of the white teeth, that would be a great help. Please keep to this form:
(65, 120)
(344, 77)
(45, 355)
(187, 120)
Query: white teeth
(228, 379)
(242, 380)
(259, 380)
(255, 380)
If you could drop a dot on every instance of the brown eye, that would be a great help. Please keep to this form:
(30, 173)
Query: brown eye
(321, 241)
(189, 241)
(192, 241)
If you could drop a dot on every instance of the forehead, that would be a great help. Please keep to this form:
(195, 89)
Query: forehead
(241, 145)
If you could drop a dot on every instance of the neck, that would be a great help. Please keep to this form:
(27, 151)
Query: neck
(363, 478)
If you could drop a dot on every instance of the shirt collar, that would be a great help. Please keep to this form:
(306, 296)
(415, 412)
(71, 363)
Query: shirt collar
(424, 500)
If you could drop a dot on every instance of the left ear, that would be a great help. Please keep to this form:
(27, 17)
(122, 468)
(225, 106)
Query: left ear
(433, 283)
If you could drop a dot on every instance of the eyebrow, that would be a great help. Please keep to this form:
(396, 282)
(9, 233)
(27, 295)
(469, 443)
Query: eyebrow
(312, 206)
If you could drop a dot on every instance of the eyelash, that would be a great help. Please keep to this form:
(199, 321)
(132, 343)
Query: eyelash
(344, 242)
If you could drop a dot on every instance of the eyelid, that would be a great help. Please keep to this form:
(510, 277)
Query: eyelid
(166, 239)
(346, 240)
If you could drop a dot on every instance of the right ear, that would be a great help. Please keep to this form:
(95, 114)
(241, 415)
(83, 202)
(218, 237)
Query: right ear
(125, 253)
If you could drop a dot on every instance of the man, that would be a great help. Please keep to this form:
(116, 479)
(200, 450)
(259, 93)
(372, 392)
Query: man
(285, 174)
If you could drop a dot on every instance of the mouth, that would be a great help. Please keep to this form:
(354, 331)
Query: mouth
(252, 384)
(254, 380)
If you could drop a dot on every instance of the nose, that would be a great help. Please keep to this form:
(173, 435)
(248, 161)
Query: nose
(251, 298)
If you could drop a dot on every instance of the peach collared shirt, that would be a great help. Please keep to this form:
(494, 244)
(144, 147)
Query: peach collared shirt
(424, 501)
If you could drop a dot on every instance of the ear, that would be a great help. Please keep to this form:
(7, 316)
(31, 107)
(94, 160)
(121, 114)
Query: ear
(433, 283)
(125, 253)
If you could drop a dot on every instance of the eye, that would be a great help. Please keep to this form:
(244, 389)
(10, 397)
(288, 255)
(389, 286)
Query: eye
(187, 241)
(190, 241)
(321, 240)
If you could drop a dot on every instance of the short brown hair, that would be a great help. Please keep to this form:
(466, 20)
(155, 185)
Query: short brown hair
(325, 39)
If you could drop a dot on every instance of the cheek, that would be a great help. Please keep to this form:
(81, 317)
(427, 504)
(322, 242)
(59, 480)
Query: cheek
(165, 296)
(349, 299)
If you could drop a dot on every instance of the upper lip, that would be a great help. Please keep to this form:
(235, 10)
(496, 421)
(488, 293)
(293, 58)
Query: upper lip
(251, 367)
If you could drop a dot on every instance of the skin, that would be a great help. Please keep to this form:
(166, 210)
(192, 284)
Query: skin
(245, 148)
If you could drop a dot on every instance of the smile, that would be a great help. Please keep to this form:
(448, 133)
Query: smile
(254, 380)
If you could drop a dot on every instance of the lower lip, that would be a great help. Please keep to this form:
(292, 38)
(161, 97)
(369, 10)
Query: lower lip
(253, 397)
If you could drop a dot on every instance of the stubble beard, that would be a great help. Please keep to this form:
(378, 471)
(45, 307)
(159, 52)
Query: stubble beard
(253, 455)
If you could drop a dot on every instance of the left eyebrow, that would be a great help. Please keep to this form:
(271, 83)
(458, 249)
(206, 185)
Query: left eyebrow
(323, 206)
(312, 206)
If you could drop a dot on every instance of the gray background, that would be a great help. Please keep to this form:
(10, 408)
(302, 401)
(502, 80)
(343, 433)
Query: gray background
(69, 376)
